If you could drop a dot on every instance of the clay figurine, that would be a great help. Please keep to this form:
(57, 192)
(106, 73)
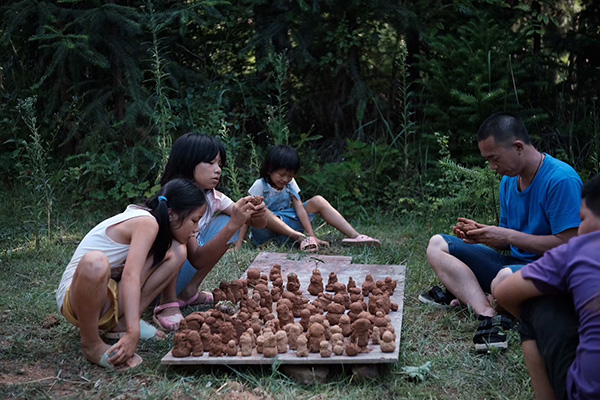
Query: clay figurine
(216, 346)
(315, 335)
(302, 350)
(270, 344)
(282, 341)
(181, 347)
(325, 349)
(368, 285)
(193, 338)
(361, 332)
(375, 335)
(293, 283)
(331, 281)
(246, 344)
(316, 283)
(388, 344)
(346, 325)
(293, 333)
(253, 276)
(352, 349)
(231, 348)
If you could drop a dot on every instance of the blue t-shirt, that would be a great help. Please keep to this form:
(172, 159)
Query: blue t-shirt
(574, 269)
(550, 205)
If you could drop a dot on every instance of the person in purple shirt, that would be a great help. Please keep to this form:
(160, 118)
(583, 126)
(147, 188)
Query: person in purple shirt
(557, 299)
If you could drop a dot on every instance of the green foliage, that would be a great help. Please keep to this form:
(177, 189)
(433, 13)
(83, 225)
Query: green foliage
(462, 191)
(35, 171)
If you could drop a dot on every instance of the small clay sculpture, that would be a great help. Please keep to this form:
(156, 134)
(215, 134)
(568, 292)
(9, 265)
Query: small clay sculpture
(227, 332)
(293, 332)
(355, 309)
(253, 276)
(282, 341)
(375, 335)
(293, 283)
(325, 349)
(193, 338)
(361, 332)
(315, 335)
(351, 283)
(231, 349)
(193, 321)
(304, 319)
(334, 312)
(181, 346)
(205, 335)
(346, 325)
(302, 350)
(352, 349)
(260, 341)
(368, 285)
(388, 344)
(216, 346)
(284, 314)
(270, 344)
(390, 284)
(331, 281)
(275, 272)
(316, 283)
(246, 344)
(355, 294)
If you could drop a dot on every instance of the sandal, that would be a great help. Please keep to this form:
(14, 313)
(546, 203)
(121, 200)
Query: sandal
(361, 240)
(492, 333)
(170, 323)
(309, 245)
(437, 297)
(133, 362)
(208, 300)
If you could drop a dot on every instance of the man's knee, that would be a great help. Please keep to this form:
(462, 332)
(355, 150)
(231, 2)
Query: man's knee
(500, 276)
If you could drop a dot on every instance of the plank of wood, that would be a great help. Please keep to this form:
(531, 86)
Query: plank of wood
(303, 266)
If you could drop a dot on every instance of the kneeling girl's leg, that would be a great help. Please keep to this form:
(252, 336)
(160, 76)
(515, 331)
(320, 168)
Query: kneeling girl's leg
(89, 300)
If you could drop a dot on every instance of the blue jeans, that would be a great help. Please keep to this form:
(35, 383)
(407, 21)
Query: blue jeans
(289, 216)
(213, 228)
(484, 261)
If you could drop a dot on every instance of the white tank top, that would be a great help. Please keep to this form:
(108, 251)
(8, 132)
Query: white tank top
(96, 239)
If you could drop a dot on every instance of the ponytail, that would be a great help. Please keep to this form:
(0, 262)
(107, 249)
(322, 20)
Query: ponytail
(182, 197)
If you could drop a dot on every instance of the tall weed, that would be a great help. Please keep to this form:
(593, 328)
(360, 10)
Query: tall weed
(35, 171)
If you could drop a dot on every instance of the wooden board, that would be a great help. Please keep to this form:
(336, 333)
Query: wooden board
(303, 265)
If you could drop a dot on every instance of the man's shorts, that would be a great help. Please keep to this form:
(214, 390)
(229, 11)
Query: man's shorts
(552, 322)
(109, 320)
(484, 261)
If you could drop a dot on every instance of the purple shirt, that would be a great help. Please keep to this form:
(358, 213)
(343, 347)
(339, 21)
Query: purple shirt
(574, 268)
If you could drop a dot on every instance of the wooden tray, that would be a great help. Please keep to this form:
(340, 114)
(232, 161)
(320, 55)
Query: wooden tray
(303, 265)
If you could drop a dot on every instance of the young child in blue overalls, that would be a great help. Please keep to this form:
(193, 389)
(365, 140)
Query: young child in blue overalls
(281, 196)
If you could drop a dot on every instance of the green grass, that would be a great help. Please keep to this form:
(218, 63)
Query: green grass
(47, 363)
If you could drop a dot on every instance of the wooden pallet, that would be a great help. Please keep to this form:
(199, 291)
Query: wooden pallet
(303, 265)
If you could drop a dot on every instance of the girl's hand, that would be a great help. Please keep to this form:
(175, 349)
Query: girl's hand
(241, 211)
(321, 242)
(124, 349)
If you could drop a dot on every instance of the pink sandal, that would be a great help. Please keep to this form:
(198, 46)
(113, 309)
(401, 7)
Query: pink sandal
(309, 245)
(361, 240)
(170, 323)
(208, 300)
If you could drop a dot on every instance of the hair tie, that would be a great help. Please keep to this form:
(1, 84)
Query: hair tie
(162, 198)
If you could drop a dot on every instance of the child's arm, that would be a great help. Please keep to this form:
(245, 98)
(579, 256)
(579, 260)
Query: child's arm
(142, 233)
(243, 233)
(204, 258)
(515, 290)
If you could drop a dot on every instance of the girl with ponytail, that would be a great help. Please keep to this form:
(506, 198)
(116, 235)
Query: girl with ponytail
(122, 265)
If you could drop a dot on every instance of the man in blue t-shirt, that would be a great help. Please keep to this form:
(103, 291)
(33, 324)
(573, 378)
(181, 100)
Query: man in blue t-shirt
(557, 299)
(539, 210)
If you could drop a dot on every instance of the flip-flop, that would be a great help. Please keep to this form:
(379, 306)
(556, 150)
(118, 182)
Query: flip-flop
(135, 361)
(208, 300)
(361, 240)
(309, 245)
(147, 332)
(170, 323)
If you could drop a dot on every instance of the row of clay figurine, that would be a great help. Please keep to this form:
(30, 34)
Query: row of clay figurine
(218, 332)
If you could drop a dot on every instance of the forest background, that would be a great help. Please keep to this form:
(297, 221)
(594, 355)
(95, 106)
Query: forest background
(381, 98)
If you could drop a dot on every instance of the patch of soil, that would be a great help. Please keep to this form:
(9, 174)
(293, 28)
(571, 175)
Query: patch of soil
(50, 321)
